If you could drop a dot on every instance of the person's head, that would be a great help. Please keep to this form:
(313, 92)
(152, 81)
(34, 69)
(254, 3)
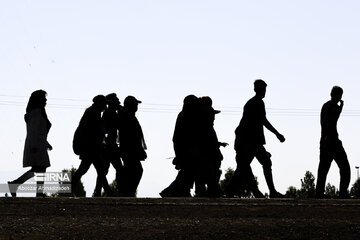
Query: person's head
(191, 103)
(99, 102)
(37, 100)
(206, 101)
(336, 93)
(112, 100)
(260, 88)
(131, 104)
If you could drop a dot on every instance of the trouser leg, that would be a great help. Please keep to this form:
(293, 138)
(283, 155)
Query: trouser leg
(138, 171)
(323, 169)
(116, 162)
(344, 167)
(101, 181)
(26, 176)
(83, 168)
(179, 187)
(39, 184)
(30, 174)
(264, 158)
(212, 181)
(200, 181)
(243, 173)
(133, 173)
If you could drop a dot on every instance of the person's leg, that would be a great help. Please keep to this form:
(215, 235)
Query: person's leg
(264, 158)
(39, 184)
(118, 166)
(212, 181)
(200, 172)
(101, 181)
(83, 168)
(326, 158)
(137, 171)
(179, 187)
(13, 185)
(243, 173)
(344, 167)
(26, 176)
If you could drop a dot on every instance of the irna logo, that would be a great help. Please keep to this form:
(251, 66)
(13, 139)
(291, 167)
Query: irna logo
(53, 177)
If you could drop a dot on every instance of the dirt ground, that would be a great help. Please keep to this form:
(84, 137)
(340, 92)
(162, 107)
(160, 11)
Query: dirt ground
(178, 218)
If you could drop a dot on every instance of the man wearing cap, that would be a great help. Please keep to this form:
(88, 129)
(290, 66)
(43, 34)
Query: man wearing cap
(111, 148)
(249, 143)
(132, 147)
(208, 167)
(90, 135)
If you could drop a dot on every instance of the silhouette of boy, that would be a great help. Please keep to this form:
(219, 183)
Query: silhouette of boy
(111, 152)
(249, 143)
(330, 146)
(208, 173)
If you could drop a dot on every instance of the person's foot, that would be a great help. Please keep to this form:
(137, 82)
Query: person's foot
(258, 194)
(229, 193)
(344, 196)
(96, 194)
(13, 187)
(41, 195)
(321, 196)
(276, 194)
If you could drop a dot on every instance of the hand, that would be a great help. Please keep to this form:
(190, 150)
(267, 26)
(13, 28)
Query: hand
(341, 103)
(280, 137)
(49, 147)
(223, 144)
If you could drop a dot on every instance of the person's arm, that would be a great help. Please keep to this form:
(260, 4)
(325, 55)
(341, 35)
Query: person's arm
(268, 125)
(341, 105)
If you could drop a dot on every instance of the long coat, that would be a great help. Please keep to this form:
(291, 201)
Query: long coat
(36, 144)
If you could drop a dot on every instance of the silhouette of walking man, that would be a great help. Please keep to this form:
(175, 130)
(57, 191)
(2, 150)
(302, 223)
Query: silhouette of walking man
(249, 143)
(132, 147)
(331, 147)
(88, 140)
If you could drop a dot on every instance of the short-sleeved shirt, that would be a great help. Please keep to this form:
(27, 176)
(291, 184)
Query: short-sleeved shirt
(251, 127)
(330, 114)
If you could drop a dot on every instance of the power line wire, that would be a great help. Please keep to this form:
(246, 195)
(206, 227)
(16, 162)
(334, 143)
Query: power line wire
(173, 108)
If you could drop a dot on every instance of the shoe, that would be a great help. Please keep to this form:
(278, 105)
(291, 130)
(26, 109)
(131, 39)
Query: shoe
(165, 193)
(344, 196)
(13, 187)
(320, 196)
(96, 194)
(258, 194)
(229, 194)
(41, 195)
(276, 195)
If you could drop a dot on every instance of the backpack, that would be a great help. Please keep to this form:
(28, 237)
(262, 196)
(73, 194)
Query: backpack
(78, 141)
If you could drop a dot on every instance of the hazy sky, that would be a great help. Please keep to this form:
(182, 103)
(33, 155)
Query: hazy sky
(161, 51)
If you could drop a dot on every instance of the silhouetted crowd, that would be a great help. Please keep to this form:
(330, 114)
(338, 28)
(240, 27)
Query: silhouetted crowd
(197, 149)
(113, 137)
(109, 133)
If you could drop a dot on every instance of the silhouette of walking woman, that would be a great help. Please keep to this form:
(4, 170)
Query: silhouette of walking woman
(36, 144)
